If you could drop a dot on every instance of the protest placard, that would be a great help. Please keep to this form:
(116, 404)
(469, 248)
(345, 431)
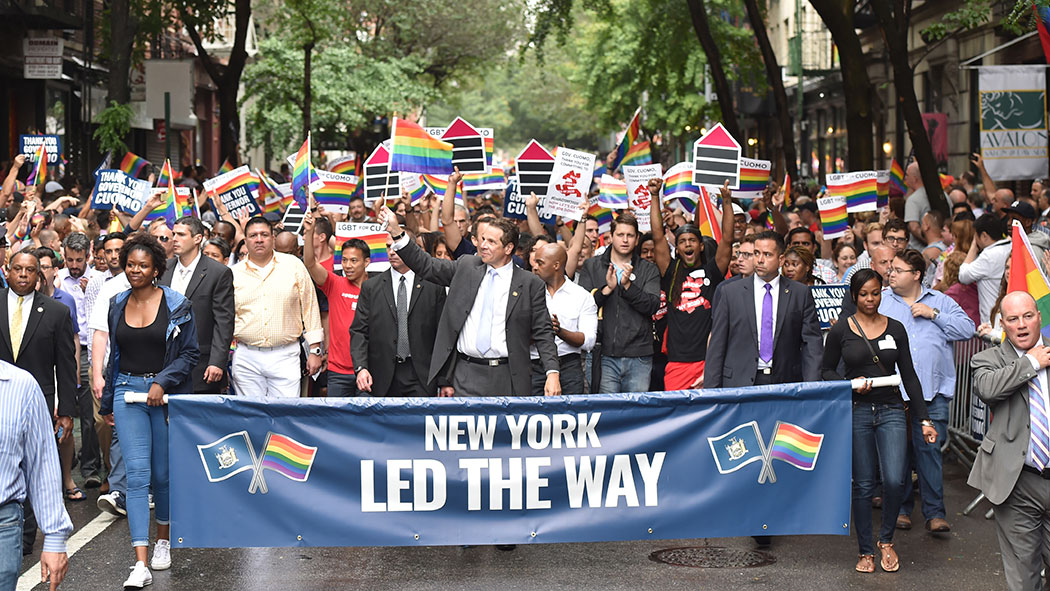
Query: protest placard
(374, 235)
(716, 159)
(637, 178)
(859, 188)
(569, 184)
(30, 143)
(514, 205)
(533, 167)
(380, 182)
(241, 201)
(468, 145)
(832, 215)
(117, 188)
(828, 302)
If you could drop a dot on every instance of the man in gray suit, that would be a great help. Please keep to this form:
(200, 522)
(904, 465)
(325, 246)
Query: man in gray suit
(208, 284)
(494, 312)
(1011, 467)
(764, 329)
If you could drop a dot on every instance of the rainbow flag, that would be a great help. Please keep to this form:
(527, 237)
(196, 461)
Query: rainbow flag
(482, 182)
(946, 180)
(416, 190)
(604, 216)
(440, 185)
(630, 136)
(706, 219)
(170, 210)
(186, 203)
(1027, 275)
(344, 165)
(897, 177)
(861, 189)
(638, 155)
(166, 175)
(133, 164)
(1042, 24)
(270, 196)
(678, 184)
(114, 224)
(612, 193)
(335, 195)
(832, 215)
(226, 166)
(795, 445)
(786, 188)
(754, 177)
(38, 175)
(287, 457)
(414, 150)
(304, 177)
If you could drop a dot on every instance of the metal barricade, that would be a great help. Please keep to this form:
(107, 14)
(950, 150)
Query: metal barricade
(967, 414)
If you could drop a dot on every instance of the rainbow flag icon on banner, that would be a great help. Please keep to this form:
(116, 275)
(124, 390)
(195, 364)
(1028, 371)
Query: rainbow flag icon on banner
(795, 445)
(1027, 275)
(283, 455)
(414, 150)
(344, 165)
(336, 192)
(832, 215)
(861, 189)
(372, 234)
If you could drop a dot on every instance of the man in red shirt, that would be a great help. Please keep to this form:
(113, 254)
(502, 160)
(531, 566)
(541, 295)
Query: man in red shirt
(342, 293)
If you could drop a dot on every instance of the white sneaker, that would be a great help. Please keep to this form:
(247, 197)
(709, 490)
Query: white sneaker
(139, 576)
(161, 555)
(151, 504)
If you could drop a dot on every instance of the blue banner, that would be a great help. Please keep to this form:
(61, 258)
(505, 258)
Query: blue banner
(514, 204)
(28, 145)
(771, 460)
(828, 302)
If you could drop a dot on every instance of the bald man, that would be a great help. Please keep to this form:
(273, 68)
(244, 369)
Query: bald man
(288, 243)
(574, 317)
(916, 204)
(1011, 467)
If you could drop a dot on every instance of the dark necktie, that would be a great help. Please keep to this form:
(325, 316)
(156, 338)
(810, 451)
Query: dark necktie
(403, 350)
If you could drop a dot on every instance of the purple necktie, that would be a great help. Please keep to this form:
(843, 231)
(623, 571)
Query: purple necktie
(765, 338)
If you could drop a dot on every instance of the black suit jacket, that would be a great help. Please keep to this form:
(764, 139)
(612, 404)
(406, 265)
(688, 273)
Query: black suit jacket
(47, 348)
(373, 334)
(210, 291)
(732, 354)
(528, 320)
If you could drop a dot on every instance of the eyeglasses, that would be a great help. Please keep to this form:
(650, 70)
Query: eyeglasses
(895, 239)
(893, 270)
(163, 238)
(745, 255)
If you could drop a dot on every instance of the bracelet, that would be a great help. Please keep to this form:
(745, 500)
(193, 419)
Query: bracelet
(398, 237)
(927, 423)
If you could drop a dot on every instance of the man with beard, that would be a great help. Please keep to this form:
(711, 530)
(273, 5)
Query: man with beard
(689, 280)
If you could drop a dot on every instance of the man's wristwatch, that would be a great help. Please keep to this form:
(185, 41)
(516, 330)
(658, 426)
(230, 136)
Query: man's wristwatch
(316, 350)
(398, 237)
(927, 423)
(936, 313)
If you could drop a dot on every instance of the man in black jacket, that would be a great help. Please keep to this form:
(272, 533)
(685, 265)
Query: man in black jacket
(626, 289)
(392, 335)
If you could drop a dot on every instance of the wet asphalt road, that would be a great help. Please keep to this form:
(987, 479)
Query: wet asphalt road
(965, 559)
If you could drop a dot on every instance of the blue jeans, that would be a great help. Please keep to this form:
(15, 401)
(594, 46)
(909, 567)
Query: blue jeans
(10, 544)
(879, 435)
(118, 474)
(144, 442)
(926, 457)
(625, 374)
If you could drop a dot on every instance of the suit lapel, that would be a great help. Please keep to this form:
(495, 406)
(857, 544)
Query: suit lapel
(198, 275)
(386, 282)
(517, 286)
(5, 324)
(782, 307)
(416, 290)
(35, 313)
(749, 306)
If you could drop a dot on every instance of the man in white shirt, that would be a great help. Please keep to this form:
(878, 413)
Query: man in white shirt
(574, 317)
(985, 262)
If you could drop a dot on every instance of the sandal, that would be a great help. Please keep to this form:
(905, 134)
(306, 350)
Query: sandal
(75, 494)
(890, 562)
(866, 563)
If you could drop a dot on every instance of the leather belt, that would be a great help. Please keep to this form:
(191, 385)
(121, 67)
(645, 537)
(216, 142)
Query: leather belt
(489, 361)
(1045, 474)
(400, 359)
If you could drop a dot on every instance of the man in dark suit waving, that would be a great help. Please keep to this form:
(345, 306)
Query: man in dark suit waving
(765, 329)
(208, 284)
(36, 334)
(393, 332)
(482, 344)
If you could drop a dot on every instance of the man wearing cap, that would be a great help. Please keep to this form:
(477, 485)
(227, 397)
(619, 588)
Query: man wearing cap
(1023, 213)
(689, 280)
(740, 220)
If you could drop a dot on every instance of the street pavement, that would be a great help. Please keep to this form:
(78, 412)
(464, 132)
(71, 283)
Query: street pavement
(967, 558)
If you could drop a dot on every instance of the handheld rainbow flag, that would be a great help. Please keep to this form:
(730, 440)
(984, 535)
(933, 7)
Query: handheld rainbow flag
(897, 177)
(612, 193)
(1027, 275)
(38, 175)
(304, 177)
(269, 195)
(638, 155)
(946, 180)
(796, 446)
(336, 192)
(786, 188)
(414, 150)
(678, 183)
(706, 218)
(165, 178)
(604, 216)
(226, 166)
(630, 136)
(439, 185)
(861, 189)
(344, 165)
(169, 210)
(133, 164)
(372, 234)
(832, 215)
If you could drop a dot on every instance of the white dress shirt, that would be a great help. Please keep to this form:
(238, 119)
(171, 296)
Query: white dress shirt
(410, 282)
(468, 337)
(1041, 380)
(27, 305)
(180, 278)
(987, 272)
(574, 306)
(760, 294)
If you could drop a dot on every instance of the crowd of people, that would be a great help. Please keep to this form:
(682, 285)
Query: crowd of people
(100, 304)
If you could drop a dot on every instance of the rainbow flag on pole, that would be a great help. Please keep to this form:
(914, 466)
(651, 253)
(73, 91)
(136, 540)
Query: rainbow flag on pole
(304, 177)
(269, 195)
(709, 223)
(897, 177)
(226, 166)
(678, 183)
(638, 155)
(133, 164)
(604, 216)
(287, 457)
(170, 210)
(612, 193)
(630, 136)
(1027, 275)
(795, 445)
(832, 215)
(415, 150)
(38, 175)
